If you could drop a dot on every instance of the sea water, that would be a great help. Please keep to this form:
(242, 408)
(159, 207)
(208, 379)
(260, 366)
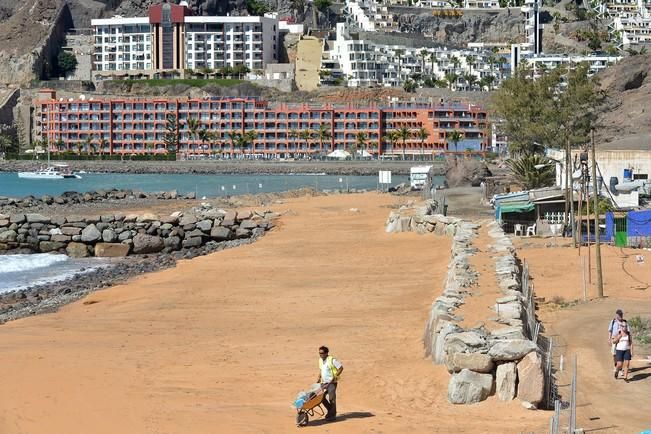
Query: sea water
(24, 271)
(202, 185)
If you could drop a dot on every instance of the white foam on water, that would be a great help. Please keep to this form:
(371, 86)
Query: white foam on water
(17, 263)
(23, 271)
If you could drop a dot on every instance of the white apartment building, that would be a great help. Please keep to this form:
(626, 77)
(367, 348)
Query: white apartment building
(481, 4)
(366, 64)
(170, 38)
(122, 44)
(547, 62)
(216, 42)
(632, 30)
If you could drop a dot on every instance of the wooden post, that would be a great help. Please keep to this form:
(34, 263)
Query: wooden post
(585, 289)
(600, 283)
(580, 224)
(587, 211)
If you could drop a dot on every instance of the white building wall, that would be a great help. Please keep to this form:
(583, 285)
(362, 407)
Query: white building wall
(121, 44)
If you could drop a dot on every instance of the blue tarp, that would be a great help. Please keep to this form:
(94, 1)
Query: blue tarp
(610, 226)
(638, 223)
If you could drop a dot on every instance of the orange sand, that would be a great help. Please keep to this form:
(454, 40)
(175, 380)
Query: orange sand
(222, 343)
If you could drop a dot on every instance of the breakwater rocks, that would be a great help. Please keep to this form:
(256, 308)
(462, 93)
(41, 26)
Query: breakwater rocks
(422, 219)
(505, 361)
(116, 235)
(229, 167)
(76, 198)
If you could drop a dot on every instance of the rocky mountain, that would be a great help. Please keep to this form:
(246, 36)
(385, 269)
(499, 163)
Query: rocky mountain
(473, 26)
(625, 120)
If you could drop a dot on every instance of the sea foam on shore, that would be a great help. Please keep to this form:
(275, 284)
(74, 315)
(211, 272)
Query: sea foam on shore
(23, 271)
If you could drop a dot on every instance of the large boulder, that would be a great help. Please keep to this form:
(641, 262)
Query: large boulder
(467, 387)
(8, 236)
(90, 234)
(248, 224)
(77, 250)
(187, 220)
(109, 236)
(147, 217)
(173, 243)
(147, 244)
(221, 233)
(111, 250)
(476, 362)
(17, 218)
(50, 246)
(531, 380)
(508, 350)
(192, 242)
(505, 378)
(204, 225)
(36, 218)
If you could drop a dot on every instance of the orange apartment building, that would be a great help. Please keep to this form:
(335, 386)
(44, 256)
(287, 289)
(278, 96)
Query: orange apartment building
(139, 125)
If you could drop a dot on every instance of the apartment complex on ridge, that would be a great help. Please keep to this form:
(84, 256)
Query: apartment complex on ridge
(365, 63)
(170, 38)
(139, 125)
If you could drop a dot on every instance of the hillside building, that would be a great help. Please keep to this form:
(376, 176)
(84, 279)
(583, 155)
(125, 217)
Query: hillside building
(171, 39)
(140, 125)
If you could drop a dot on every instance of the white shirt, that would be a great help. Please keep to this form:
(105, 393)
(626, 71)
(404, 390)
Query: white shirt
(623, 344)
(326, 373)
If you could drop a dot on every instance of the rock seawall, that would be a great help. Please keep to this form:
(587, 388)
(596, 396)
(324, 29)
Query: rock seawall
(118, 235)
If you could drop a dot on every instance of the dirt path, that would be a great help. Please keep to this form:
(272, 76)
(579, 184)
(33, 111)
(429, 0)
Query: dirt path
(603, 403)
(223, 343)
(308, 63)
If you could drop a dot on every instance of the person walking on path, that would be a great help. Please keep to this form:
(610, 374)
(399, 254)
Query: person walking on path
(624, 350)
(329, 371)
(613, 333)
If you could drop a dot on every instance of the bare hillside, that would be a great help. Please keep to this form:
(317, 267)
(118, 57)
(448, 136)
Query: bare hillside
(625, 122)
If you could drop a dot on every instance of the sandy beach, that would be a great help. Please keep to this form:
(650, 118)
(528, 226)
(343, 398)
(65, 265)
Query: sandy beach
(222, 343)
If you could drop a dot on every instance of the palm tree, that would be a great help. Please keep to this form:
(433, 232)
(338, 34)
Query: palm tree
(60, 145)
(391, 138)
(293, 134)
(528, 176)
(306, 135)
(403, 133)
(422, 134)
(432, 59)
(470, 80)
(455, 62)
(87, 143)
(204, 136)
(102, 145)
(451, 78)
(193, 129)
(455, 137)
(234, 138)
(399, 53)
(323, 134)
(79, 146)
(361, 141)
(93, 147)
(423, 55)
(471, 60)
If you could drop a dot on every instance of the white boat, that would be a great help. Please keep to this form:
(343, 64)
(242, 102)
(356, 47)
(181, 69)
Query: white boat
(56, 171)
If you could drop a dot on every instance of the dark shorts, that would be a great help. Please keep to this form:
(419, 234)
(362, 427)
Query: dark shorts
(622, 355)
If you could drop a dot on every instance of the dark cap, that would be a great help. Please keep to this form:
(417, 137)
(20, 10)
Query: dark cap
(619, 312)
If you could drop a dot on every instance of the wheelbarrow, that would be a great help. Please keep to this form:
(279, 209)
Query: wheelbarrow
(309, 403)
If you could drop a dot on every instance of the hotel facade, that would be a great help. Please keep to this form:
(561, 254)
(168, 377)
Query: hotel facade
(170, 38)
(127, 126)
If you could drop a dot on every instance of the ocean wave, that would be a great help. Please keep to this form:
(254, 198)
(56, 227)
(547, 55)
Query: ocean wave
(18, 263)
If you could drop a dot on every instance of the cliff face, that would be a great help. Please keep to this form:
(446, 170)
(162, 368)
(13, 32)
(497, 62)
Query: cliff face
(471, 27)
(625, 120)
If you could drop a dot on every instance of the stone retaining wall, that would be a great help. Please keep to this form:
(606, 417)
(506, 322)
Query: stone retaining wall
(503, 361)
(116, 235)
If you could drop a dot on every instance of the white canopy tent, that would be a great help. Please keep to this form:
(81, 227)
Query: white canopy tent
(339, 154)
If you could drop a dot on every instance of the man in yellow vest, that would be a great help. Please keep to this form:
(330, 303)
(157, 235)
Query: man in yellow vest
(329, 371)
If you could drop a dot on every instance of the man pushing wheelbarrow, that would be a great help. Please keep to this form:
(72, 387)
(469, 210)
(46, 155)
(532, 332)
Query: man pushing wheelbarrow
(324, 392)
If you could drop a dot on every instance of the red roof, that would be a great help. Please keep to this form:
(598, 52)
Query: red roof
(178, 13)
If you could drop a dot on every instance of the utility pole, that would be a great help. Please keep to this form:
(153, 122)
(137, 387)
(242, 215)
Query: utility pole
(600, 283)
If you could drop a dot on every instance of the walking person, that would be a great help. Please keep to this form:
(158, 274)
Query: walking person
(329, 371)
(613, 333)
(624, 350)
